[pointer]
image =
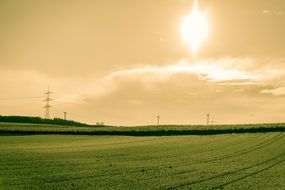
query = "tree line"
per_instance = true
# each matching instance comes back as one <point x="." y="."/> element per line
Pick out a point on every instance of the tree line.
<point x="39" y="120"/>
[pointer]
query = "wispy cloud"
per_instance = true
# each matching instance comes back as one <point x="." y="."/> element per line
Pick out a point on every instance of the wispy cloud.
<point x="273" y="12"/>
<point x="218" y="71"/>
<point x="275" y="92"/>
<point x="213" y="71"/>
<point x="225" y="71"/>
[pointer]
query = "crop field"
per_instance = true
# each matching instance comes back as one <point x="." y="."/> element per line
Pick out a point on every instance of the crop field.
<point x="163" y="130"/>
<point x="228" y="161"/>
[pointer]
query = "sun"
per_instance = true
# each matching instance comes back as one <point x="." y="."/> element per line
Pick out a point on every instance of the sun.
<point x="195" y="28"/>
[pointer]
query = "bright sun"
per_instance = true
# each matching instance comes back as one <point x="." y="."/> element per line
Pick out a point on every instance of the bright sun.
<point x="195" y="28"/>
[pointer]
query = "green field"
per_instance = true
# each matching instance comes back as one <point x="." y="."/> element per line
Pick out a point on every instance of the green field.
<point x="164" y="130"/>
<point x="229" y="161"/>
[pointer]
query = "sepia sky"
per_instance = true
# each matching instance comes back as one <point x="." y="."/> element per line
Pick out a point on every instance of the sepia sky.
<point x="124" y="62"/>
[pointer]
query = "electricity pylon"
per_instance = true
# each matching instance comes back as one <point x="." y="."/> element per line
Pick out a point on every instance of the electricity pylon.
<point x="47" y="106"/>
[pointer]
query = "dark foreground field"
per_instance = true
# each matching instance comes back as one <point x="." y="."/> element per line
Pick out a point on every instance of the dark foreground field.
<point x="229" y="161"/>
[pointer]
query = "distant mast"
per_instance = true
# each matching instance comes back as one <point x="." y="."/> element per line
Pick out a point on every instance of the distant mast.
<point x="158" y="117"/>
<point x="47" y="105"/>
<point x="208" y="119"/>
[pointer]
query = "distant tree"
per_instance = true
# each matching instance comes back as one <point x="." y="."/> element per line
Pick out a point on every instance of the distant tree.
<point x="100" y="124"/>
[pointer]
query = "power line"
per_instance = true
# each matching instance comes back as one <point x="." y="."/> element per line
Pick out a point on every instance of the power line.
<point x="21" y="98"/>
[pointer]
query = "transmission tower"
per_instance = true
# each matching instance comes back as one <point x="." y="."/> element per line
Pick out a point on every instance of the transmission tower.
<point x="47" y="100"/>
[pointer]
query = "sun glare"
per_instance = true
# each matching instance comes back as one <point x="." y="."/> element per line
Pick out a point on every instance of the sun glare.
<point x="195" y="28"/>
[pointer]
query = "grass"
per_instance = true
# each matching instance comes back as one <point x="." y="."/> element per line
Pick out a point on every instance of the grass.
<point x="229" y="161"/>
<point x="166" y="130"/>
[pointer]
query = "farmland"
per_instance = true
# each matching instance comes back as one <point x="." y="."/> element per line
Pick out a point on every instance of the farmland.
<point x="164" y="130"/>
<point x="228" y="161"/>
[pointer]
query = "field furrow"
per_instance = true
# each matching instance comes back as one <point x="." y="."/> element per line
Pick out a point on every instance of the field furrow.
<point x="113" y="162"/>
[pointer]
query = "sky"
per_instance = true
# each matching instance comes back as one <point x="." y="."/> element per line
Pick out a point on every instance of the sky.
<point x="125" y="62"/>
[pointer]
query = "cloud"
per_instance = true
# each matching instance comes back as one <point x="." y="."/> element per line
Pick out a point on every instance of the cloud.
<point x="227" y="71"/>
<point x="221" y="70"/>
<point x="273" y="12"/>
<point x="275" y="92"/>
